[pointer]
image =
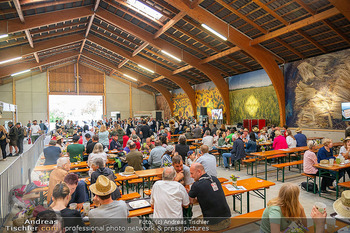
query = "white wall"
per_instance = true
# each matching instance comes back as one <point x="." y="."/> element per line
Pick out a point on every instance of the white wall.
<point x="335" y="135"/>
<point x="31" y="98"/>
<point x="117" y="96"/>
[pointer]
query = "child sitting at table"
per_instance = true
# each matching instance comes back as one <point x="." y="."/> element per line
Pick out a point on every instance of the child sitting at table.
<point x="191" y="156"/>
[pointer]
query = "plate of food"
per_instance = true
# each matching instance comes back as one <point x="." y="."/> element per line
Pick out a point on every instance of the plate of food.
<point x="324" y="163"/>
<point x="139" y="204"/>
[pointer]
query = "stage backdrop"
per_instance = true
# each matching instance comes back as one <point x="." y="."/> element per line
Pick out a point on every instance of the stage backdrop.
<point x="315" y="89"/>
<point x="252" y="96"/>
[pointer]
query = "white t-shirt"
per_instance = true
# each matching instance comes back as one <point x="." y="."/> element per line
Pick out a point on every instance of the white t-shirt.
<point x="342" y="151"/>
<point x="35" y="129"/>
<point x="209" y="141"/>
<point x="168" y="197"/>
<point x="292" y="143"/>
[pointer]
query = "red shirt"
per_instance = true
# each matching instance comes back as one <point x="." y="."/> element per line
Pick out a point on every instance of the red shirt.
<point x="138" y="145"/>
<point x="80" y="141"/>
<point x="125" y="140"/>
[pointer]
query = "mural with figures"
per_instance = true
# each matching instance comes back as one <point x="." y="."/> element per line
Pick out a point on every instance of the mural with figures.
<point x="182" y="106"/>
<point x="315" y="89"/>
<point x="252" y="96"/>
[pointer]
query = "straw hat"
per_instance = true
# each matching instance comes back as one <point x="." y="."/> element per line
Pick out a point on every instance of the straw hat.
<point x="298" y="130"/>
<point x="245" y="130"/>
<point x="59" y="137"/>
<point x="188" y="130"/>
<point x="169" y="148"/>
<point x="342" y="205"/>
<point x="346" y="139"/>
<point x="255" y="130"/>
<point x="103" y="186"/>
<point x="129" y="170"/>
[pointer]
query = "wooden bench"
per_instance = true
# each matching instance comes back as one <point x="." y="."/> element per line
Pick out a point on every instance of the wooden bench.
<point x="345" y="185"/>
<point x="240" y="220"/>
<point x="250" y="162"/>
<point x="281" y="167"/>
<point x="308" y="178"/>
<point x="80" y="170"/>
<point x="129" y="196"/>
<point x="147" y="192"/>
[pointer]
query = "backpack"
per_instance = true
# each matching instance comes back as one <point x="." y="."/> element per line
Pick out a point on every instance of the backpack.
<point x="310" y="187"/>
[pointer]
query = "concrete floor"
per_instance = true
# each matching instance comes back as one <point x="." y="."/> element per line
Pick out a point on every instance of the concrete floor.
<point x="5" y="164"/>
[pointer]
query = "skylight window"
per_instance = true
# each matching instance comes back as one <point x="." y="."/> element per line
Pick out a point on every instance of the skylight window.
<point x="144" y="9"/>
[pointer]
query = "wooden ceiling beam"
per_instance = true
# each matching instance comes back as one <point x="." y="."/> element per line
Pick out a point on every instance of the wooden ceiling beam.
<point x="89" y="25"/>
<point x="29" y="38"/>
<point x="163" y="90"/>
<point x="169" y="24"/>
<point x="342" y="6"/>
<point x="97" y="2"/>
<point x="181" y="82"/>
<point x="295" y="26"/>
<point x="24" y="50"/>
<point x="312" y="41"/>
<point x="40" y="20"/>
<point x="8" y="70"/>
<point x="37" y="57"/>
<point x="340" y="33"/>
<point x="19" y="10"/>
<point x="140" y="48"/>
<point x="265" y="58"/>
<point x="182" y="69"/>
<point x="213" y="73"/>
<point x="120" y="65"/>
<point x="159" y="78"/>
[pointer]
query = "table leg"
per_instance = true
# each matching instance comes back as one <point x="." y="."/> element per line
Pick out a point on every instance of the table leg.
<point x="264" y="197"/>
<point x="336" y="183"/>
<point x="265" y="167"/>
<point x="248" y="208"/>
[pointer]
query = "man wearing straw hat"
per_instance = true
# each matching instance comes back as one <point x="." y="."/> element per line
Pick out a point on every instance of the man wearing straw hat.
<point x="110" y="215"/>
<point x="300" y="138"/>
<point x="342" y="205"/>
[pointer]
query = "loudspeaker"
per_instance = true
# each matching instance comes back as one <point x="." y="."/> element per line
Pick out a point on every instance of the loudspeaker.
<point x="203" y="111"/>
<point x="158" y="116"/>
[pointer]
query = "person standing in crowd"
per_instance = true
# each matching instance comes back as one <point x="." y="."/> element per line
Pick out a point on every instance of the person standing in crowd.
<point x="13" y="138"/>
<point x="145" y="131"/>
<point x="300" y="138"/>
<point x="42" y="126"/>
<point x="168" y="198"/>
<point x="109" y="212"/>
<point x="20" y="138"/>
<point x="29" y="124"/>
<point x="103" y="136"/>
<point x="34" y="131"/>
<point x="90" y="145"/>
<point x="210" y="195"/>
<point x="3" y="142"/>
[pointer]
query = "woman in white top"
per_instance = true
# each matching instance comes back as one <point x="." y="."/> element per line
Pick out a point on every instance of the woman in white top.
<point x="103" y="136"/>
<point x="96" y="153"/>
<point x="292" y="143"/>
<point x="345" y="149"/>
<point x="263" y="136"/>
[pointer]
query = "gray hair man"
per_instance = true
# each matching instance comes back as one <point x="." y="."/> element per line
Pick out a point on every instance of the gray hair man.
<point x="168" y="199"/>
<point x="58" y="174"/>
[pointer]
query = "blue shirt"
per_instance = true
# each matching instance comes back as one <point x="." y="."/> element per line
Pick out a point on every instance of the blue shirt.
<point x="250" y="146"/>
<point x="80" y="194"/>
<point x="52" y="153"/>
<point x="324" y="154"/>
<point x="115" y="145"/>
<point x="301" y="139"/>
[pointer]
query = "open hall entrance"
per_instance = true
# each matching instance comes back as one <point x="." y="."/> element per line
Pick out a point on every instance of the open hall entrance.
<point x="78" y="108"/>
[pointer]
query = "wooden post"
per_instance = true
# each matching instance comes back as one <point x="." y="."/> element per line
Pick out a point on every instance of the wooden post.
<point x="14" y="98"/>
<point x="130" y="99"/>
<point x="104" y="96"/>
<point x="48" y="95"/>
<point x="77" y="78"/>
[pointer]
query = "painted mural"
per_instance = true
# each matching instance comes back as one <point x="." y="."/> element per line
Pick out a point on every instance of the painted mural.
<point x="252" y="96"/>
<point x="315" y="89"/>
<point x="207" y="95"/>
<point x="162" y="104"/>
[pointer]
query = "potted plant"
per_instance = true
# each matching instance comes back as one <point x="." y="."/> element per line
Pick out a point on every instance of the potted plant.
<point x="234" y="180"/>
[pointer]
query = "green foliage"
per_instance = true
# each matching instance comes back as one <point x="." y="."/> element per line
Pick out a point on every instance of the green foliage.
<point x="267" y="106"/>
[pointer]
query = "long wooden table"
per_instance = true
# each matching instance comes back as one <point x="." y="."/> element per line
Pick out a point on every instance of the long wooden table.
<point x="148" y="174"/>
<point x="336" y="169"/>
<point x="251" y="184"/>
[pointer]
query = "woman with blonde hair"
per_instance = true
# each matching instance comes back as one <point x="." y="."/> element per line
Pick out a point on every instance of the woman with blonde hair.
<point x="3" y="143"/>
<point x="282" y="210"/>
<point x="103" y="136"/>
<point x="292" y="143"/>
<point x="96" y="153"/>
<point x="279" y="142"/>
